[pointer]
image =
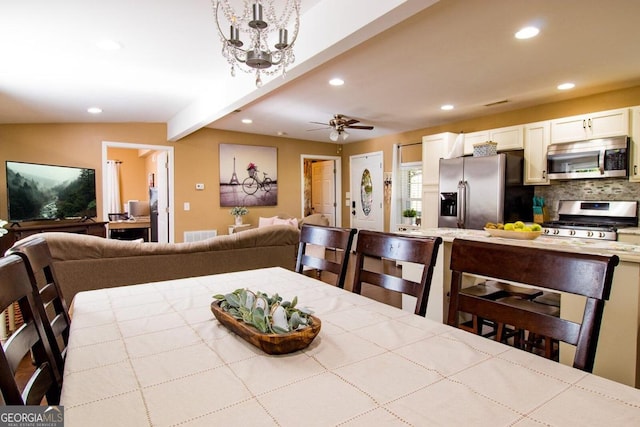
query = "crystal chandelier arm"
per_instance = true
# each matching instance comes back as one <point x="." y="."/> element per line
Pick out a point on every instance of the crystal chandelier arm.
<point x="257" y="19"/>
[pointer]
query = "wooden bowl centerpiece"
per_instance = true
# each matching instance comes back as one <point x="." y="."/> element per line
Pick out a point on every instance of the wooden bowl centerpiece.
<point x="267" y="322"/>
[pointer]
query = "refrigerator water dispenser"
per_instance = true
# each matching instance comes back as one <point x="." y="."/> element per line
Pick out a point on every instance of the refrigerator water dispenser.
<point x="448" y="204"/>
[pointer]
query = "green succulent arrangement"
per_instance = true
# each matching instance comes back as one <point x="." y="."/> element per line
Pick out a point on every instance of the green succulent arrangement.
<point x="268" y="314"/>
<point x="409" y="213"/>
<point x="239" y="210"/>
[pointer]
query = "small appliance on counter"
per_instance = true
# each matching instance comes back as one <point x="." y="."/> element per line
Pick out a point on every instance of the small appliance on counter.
<point x="592" y="219"/>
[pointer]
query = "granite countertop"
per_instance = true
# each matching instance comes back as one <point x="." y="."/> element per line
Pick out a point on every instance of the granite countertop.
<point x="625" y="251"/>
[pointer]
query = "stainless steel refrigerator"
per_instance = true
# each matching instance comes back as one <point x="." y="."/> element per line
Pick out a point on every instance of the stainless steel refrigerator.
<point x="477" y="190"/>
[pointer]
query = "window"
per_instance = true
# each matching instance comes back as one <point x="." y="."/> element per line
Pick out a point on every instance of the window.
<point x="411" y="187"/>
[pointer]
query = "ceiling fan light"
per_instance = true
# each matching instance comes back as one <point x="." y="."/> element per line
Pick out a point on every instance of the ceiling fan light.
<point x="345" y="135"/>
<point x="334" y="135"/>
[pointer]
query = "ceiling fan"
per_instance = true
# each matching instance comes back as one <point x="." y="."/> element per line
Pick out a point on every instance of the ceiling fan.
<point x="339" y="123"/>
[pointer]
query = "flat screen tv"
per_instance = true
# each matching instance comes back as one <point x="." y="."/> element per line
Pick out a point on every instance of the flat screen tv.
<point x="42" y="192"/>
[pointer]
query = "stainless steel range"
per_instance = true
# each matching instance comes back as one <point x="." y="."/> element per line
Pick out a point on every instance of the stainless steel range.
<point x="592" y="219"/>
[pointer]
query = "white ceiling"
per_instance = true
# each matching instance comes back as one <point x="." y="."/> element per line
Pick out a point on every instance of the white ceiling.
<point x="398" y="71"/>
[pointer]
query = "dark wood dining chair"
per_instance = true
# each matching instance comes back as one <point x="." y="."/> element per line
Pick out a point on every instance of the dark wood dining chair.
<point x="28" y="341"/>
<point x="419" y="250"/>
<point x="37" y="257"/>
<point x="338" y="239"/>
<point x="494" y="290"/>
<point x="588" y="275"/>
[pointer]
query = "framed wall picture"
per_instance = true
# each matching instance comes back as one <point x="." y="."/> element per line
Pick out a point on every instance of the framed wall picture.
<point x="248" y="175"/>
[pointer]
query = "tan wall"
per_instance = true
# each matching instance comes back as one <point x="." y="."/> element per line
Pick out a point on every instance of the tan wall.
<point x="69" y="145"/>
<point x="199" y="164"/>
<point x="196" y="161"/>
<point x="599" y="102"/>
<point x="196" y="156"/>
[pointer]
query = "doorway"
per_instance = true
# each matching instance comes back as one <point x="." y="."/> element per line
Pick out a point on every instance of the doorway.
<point x="320" y="192"/>
<point x="163" y="182"/>
<point x="367" y="191"/>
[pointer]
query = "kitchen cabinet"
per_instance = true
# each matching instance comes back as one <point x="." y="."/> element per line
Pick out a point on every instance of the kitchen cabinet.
<point x="508" y="138"/>
<point x="434" y="148"/>
<point x="536" y="139"/>
<point x="430" y="206"/>
<point x="632" y="238"/>
<point x="472" y="138"/>
<point x="618" y="354"/>
<point x="590" y="126"/>
<point x="634" y="160"/>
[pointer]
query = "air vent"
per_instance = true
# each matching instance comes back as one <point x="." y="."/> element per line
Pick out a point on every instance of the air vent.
<point x="491" y="104"/>
<point x="194" y="236"/>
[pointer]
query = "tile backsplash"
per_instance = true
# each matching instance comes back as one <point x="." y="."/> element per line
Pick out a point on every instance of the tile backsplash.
<point x="586" y="189"/>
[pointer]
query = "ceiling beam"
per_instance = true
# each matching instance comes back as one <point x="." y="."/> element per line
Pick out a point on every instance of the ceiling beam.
<point x="352" y="23"/>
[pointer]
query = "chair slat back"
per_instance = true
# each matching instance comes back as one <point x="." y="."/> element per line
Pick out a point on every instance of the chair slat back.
<point x="588" y="275"/>
<point x="340" y="239"/>
<point x="420" y="250"/>
<point x="29" y="340"/>
<point x="37" y="257"/>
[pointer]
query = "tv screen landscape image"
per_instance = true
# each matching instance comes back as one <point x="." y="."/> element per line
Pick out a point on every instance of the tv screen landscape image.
<point x="43" y="192"/>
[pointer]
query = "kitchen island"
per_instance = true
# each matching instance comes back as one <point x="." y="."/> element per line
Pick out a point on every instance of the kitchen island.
<point x="618" y="355"/>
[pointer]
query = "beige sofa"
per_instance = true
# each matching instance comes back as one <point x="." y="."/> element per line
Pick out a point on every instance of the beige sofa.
<point x="85" y="262"/>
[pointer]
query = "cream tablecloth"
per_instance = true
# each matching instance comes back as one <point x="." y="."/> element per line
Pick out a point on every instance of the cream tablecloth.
<point x="153" y="354"/>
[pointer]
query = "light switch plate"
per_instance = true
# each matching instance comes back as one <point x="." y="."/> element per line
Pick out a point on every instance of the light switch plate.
<point x="187" y="206"/>
<point x="199" y="186"/>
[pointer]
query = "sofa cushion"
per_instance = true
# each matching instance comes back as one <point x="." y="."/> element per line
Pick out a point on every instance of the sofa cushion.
<point x="315" y="219"/>
<point x="265" y="222"/>
<point x="289" y="221"/>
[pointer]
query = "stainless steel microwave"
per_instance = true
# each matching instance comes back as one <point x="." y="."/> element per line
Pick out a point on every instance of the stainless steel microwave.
<point x="595" y="158"/>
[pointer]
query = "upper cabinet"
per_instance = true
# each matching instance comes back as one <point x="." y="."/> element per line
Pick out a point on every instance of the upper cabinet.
<point x="589" y="126"/>
<point x="634" y="160"/>
<point x="508" y="138"/>
<point x="434" y="148"/>
<point x="536" y="139"/>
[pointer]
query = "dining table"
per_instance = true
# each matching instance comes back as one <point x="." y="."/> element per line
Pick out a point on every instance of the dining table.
<point x="153" y="354"/>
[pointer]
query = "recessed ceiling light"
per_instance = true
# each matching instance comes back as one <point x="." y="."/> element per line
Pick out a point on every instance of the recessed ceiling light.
<point x="94" y="110"/>
<point x="527" y="33"/>
<point x="566" y="86"/>
<point x="107" y="44"/>
<point x="247" y="121"/>
<point x="336" y="82"/>
<point x="447" y="107"/>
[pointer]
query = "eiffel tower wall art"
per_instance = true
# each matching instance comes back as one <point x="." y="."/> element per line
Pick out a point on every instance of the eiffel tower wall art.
<point x="248" y="175"/>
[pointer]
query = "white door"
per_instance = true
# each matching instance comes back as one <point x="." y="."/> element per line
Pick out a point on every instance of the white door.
<point x="367" y="191"/>
<point x="323" y="189"/>
<point x="162" y="175"/>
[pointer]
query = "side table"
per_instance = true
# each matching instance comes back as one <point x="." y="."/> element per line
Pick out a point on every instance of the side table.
<point x="238" y="228"/>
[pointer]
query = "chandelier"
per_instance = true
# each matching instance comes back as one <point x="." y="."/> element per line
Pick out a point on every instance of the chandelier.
<point x="263" y="24"/>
